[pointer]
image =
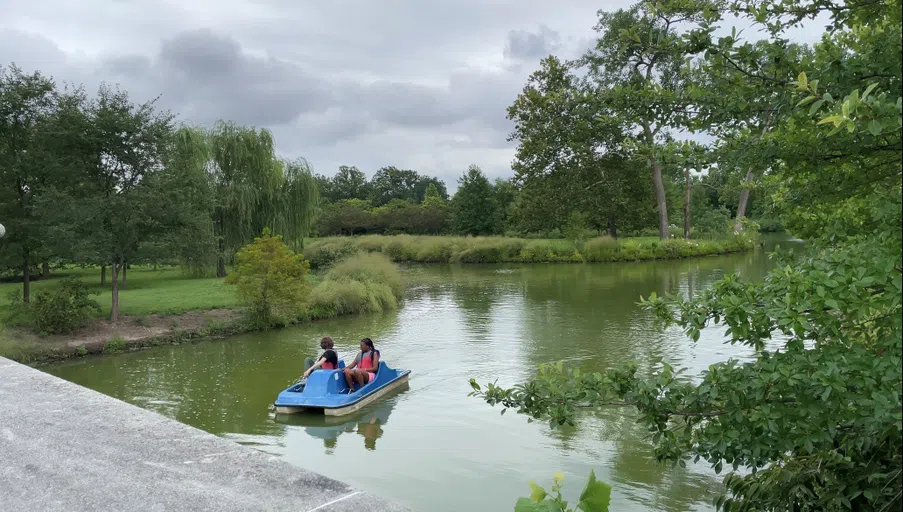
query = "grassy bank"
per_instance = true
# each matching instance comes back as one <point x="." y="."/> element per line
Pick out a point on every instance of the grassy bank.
<point x="164" y="306"/>
<point x="453" y="249"/>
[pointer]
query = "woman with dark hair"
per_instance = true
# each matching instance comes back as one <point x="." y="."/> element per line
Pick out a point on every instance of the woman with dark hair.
<point x="363" y="370"/>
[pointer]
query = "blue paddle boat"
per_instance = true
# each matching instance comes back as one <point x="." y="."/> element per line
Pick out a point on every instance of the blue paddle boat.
<point x="327" y="391"/>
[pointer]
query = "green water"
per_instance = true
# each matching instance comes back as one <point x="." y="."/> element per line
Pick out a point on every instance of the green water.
<point x="430" y="446"/>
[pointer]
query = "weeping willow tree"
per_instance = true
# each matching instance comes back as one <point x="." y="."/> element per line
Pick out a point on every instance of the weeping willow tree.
<point x="238" y="187"/>
<point x="246" y="177"/>
<point x="297" y="203"/>
<point x="187" y="171"/>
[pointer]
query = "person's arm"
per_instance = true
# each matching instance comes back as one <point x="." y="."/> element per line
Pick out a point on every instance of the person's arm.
<point x="314" y="366"/>
<point x="356" y="359"/>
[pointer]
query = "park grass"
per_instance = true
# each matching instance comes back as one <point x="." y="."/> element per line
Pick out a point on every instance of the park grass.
<point x="166" y="306"/>
<point x="164" y="291"/>
<point x="456" y="249"/>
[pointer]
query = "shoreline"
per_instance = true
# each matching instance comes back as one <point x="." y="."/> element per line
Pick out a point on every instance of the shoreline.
<point x="133" y="333"/>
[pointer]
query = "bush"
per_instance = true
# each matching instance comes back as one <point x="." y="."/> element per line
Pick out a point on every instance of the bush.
<point x="365" y="282"/>
<point x="323" y="254"/>
<point x="271" y="280"/>
<point x="712" y="223"/>
<point x="60" y="310"/>
<point x="603" y="248"/>
<point x="493" y="249"/>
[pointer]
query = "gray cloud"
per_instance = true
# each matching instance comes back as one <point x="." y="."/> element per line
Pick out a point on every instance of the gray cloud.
<point x="526" y="45"/>
<point x="420" y="85"/>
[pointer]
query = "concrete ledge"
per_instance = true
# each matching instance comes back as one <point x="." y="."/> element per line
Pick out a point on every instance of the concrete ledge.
<point x="64" y="447"/>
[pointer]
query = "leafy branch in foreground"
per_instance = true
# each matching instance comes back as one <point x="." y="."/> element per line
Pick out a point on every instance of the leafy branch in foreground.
<point x="595" y="497"/>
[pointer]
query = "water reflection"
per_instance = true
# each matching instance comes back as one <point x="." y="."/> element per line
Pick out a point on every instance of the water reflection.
<point x="369" y="424"/>
<point x="443" y="451"/>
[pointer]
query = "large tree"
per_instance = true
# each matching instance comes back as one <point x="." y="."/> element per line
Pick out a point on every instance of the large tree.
<point x="27" y="104"/>
<point x="636" y="75"/>
<point x="474" y="204"/>
<point x="246" y="176"/>
<point x="349" y="183"/>
<point x="569" y="157"/>
<point x="814" y="421"/>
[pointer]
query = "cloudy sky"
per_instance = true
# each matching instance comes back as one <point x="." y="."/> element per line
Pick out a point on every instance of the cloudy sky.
<point x="419" y="84"/>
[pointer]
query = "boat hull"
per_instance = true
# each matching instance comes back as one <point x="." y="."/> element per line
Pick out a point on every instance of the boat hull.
<point x="349" y="409"/>
<point x="327" y="392"/>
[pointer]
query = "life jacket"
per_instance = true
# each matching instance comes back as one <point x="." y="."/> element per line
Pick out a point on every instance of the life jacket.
<point x="366" y="362"/>
<point x="328" y="365"/>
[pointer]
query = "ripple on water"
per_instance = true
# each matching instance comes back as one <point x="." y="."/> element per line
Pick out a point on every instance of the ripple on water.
<point x="436" y="448"/>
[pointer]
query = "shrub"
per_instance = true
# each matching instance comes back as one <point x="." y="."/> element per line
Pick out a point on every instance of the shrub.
<point x="324" y="253"/>
<point x="712" y="223"/>
<point x="365" y="282"/>
<point x="60" y="310"/>
<point x="602" y="248"/>
<point x="271" y="280"/>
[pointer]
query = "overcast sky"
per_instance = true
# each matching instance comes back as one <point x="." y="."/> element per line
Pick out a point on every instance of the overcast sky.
<point x="419" y="84"/>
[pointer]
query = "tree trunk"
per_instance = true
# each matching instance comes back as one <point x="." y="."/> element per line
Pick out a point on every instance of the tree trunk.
<point x="687" y="203"/>
<point x="26" y="276"/>
<point x="114" y="309"/>
<point x="221" y="260"/>
<point x="612" y="227"/>
<point x="660" y="199"/>
<point x="741" y="206"/>
<point x="45" y="269"/>
<point x="103" y="275"/>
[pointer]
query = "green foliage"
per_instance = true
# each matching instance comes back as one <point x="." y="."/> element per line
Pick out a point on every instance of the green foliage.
<point x="814" y="420"/>
<point x="61" y="309"/>
<point x="64" y="308"/>
<point x="594" y="498"/>
<point x="114" y="345"/>
<point x="354" y="216"/>
<point x="271" y="279"/>
<point x="450" y="249"/>
<point x="365" y="282"/>
<point x="390" y="183"/>
<point x="474" y="208"/>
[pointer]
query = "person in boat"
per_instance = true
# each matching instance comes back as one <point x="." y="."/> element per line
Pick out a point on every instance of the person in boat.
<point x="329" y="360"/>
<point x="363" y="370"/>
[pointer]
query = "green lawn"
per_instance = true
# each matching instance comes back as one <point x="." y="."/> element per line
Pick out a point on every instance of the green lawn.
<point x="162" y="291"/>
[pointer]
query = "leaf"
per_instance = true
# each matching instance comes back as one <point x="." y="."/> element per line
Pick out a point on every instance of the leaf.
<point x="831" y="119"/>
<point x="537" y="493"/>
<point x="869" y="89"/>
<point x="802" y="82"/>
<point x="875" y="127"/>
<point x="596" y="496"/>
<point x="526" y="505"/>
<point x="806" y="101"/>
<point x="815" y="106"/>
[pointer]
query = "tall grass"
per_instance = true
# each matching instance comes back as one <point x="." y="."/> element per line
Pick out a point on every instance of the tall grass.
<point x="455" y="249"/>
<point x="364" y="282"/>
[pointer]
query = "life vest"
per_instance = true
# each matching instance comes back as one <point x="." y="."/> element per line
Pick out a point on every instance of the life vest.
<point x="366" y="361"/>
<point x="327" y="365"/>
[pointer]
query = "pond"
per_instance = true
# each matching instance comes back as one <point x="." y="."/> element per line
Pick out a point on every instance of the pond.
<point x="431" y="446"/>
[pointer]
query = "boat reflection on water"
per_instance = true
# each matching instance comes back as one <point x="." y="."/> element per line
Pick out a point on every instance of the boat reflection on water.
<point x="368" y="423"/>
